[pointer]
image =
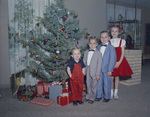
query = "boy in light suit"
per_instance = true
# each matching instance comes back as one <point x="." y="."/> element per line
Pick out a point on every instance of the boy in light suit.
<point x="92" y="59"/>
<point x="108" y="63"/>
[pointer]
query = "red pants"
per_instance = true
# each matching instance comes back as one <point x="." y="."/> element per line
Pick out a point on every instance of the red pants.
<point x="76" y="83"/>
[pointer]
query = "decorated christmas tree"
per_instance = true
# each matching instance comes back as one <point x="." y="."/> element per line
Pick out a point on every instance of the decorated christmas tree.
<point x="49" y="43"/>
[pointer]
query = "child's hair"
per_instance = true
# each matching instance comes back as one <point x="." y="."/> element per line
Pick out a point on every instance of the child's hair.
<point x="75" y="48"/>
<point x="93" y="38"/>
<point x="115" y="27"/>
<point x="104" y="32"/>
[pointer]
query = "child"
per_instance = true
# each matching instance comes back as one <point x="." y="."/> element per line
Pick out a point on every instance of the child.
<point x="76" y="72"/>
<point x="108" y="63"/>
<point x="92" y="59"/>
<point x="122" y="68"/>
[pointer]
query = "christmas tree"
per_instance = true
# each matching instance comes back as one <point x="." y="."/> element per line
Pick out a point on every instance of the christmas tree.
<point x="49" y="44"/>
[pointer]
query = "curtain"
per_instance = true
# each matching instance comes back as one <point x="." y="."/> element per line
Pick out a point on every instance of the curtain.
<point x="21" y="21"/>
<point x="127" y="14"/>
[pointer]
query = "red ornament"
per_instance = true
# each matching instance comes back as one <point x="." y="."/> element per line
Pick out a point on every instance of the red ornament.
<point x="66" y="37"/>
<point x="64" y="18"/>
<point x="63" y="29"/>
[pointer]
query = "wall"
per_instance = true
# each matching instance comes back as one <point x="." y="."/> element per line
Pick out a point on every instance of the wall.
<point x="91" y="13"/>
<point x="145" y="19"/>
<point x="4" y="51"/>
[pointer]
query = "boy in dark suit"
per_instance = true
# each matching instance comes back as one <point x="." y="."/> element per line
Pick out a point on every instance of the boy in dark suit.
<point x="92" y="59"/>
<point x="108" y="63"/>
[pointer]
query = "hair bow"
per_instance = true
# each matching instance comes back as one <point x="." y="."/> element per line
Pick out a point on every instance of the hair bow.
<point x="110" y="26"/>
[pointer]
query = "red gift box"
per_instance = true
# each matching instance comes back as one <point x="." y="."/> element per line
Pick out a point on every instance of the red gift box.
<point x="65" y="90"/>
<point x="42" y="88"/>
<point x="63" y="100"/>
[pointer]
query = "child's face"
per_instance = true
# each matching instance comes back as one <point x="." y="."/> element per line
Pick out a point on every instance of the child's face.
<point x="93" y="44"/>
<point x="76" y="55"/>
<point x="104" y="37"/>
<point x="114" y="32"/>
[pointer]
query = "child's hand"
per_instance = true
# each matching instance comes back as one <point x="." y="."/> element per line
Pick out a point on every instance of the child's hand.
<point x="109" y="73"/>
<point x="117" y="64"/>
<point x="97" y="77"/>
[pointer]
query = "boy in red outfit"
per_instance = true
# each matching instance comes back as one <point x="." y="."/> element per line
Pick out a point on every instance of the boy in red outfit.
<point x="76" y="72"/>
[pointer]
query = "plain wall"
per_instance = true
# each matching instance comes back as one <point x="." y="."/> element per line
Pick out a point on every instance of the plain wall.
<point x="145" y="20"/>
<point x="91" y="13"/>
<point x="4" y="49"/>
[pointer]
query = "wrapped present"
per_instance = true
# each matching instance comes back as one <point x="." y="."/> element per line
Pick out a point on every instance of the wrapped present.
<point x="55" y="83"/>
<point x="54" y="91"/>
<point x="65" y="88"/>
<point x="63" y="100"/>
<point x="84" y="88"/>
<point x="16" y="82"/>
<point x="25" y="95"/>
<point x="42" y="88"/>
<point x="42" y="101"/>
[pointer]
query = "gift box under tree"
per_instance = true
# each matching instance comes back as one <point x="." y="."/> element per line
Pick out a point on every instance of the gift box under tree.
<point x="64" y="99"/>
<point x="54" y="91"/>
<point x="42" y="89"/>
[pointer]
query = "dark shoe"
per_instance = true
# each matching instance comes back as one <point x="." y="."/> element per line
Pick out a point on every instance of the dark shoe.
<point x="98" y="99"/>
<point x="106" y="100"/>
<point x="75" y="103"/>
<point x="90" y="101"/>
<point x="80" y="102"/>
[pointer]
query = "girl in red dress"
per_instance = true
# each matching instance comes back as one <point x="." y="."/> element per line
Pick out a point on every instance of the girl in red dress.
<point x="122" y="67"/>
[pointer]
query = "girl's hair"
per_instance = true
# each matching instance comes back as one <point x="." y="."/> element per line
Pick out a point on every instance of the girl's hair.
<point x="93" y="38"/>
<point x="115" y="27"/>
<point x="75" y="48"/>
<point x="104" y="32"/>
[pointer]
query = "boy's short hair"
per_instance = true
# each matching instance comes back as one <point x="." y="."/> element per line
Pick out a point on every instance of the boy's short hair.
<point x="93" y="38"/>
<point x="75" y="48"/>
<point x="104" y="32"/>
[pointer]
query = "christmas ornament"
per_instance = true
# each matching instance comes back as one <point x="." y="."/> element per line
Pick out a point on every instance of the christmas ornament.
<point x="64" y="18"/>
<point x="36" y="55"/>
<point x="39" y="21"/>
<point x="45" y="41"/>
<point x="36" y="71"/>
<point x="32" y="39"/>
<point x="87" y="33"/>
<point x="24" y="45"/>
<point x="57" y="52"/>
<point x="75" y="16"/>
<point x="56" y="57"/>
<point x="54" y="72"/>
<point x="56" y="44"/>
<point x="63" y="29"/>
<point x="66" y="36"/>
<point x="32" y="53"/>
<point x="68" y="13"/>
<point x="76" y="30"/>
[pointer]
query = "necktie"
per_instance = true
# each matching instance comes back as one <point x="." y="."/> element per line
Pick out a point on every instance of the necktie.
<point x="104" y="45"/>
<point x="91" y="50"/>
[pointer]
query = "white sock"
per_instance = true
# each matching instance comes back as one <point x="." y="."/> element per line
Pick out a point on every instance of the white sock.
<point x="116" y="94"/>
<point x="116" y="91"/>
<point x="112" y="93"/>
